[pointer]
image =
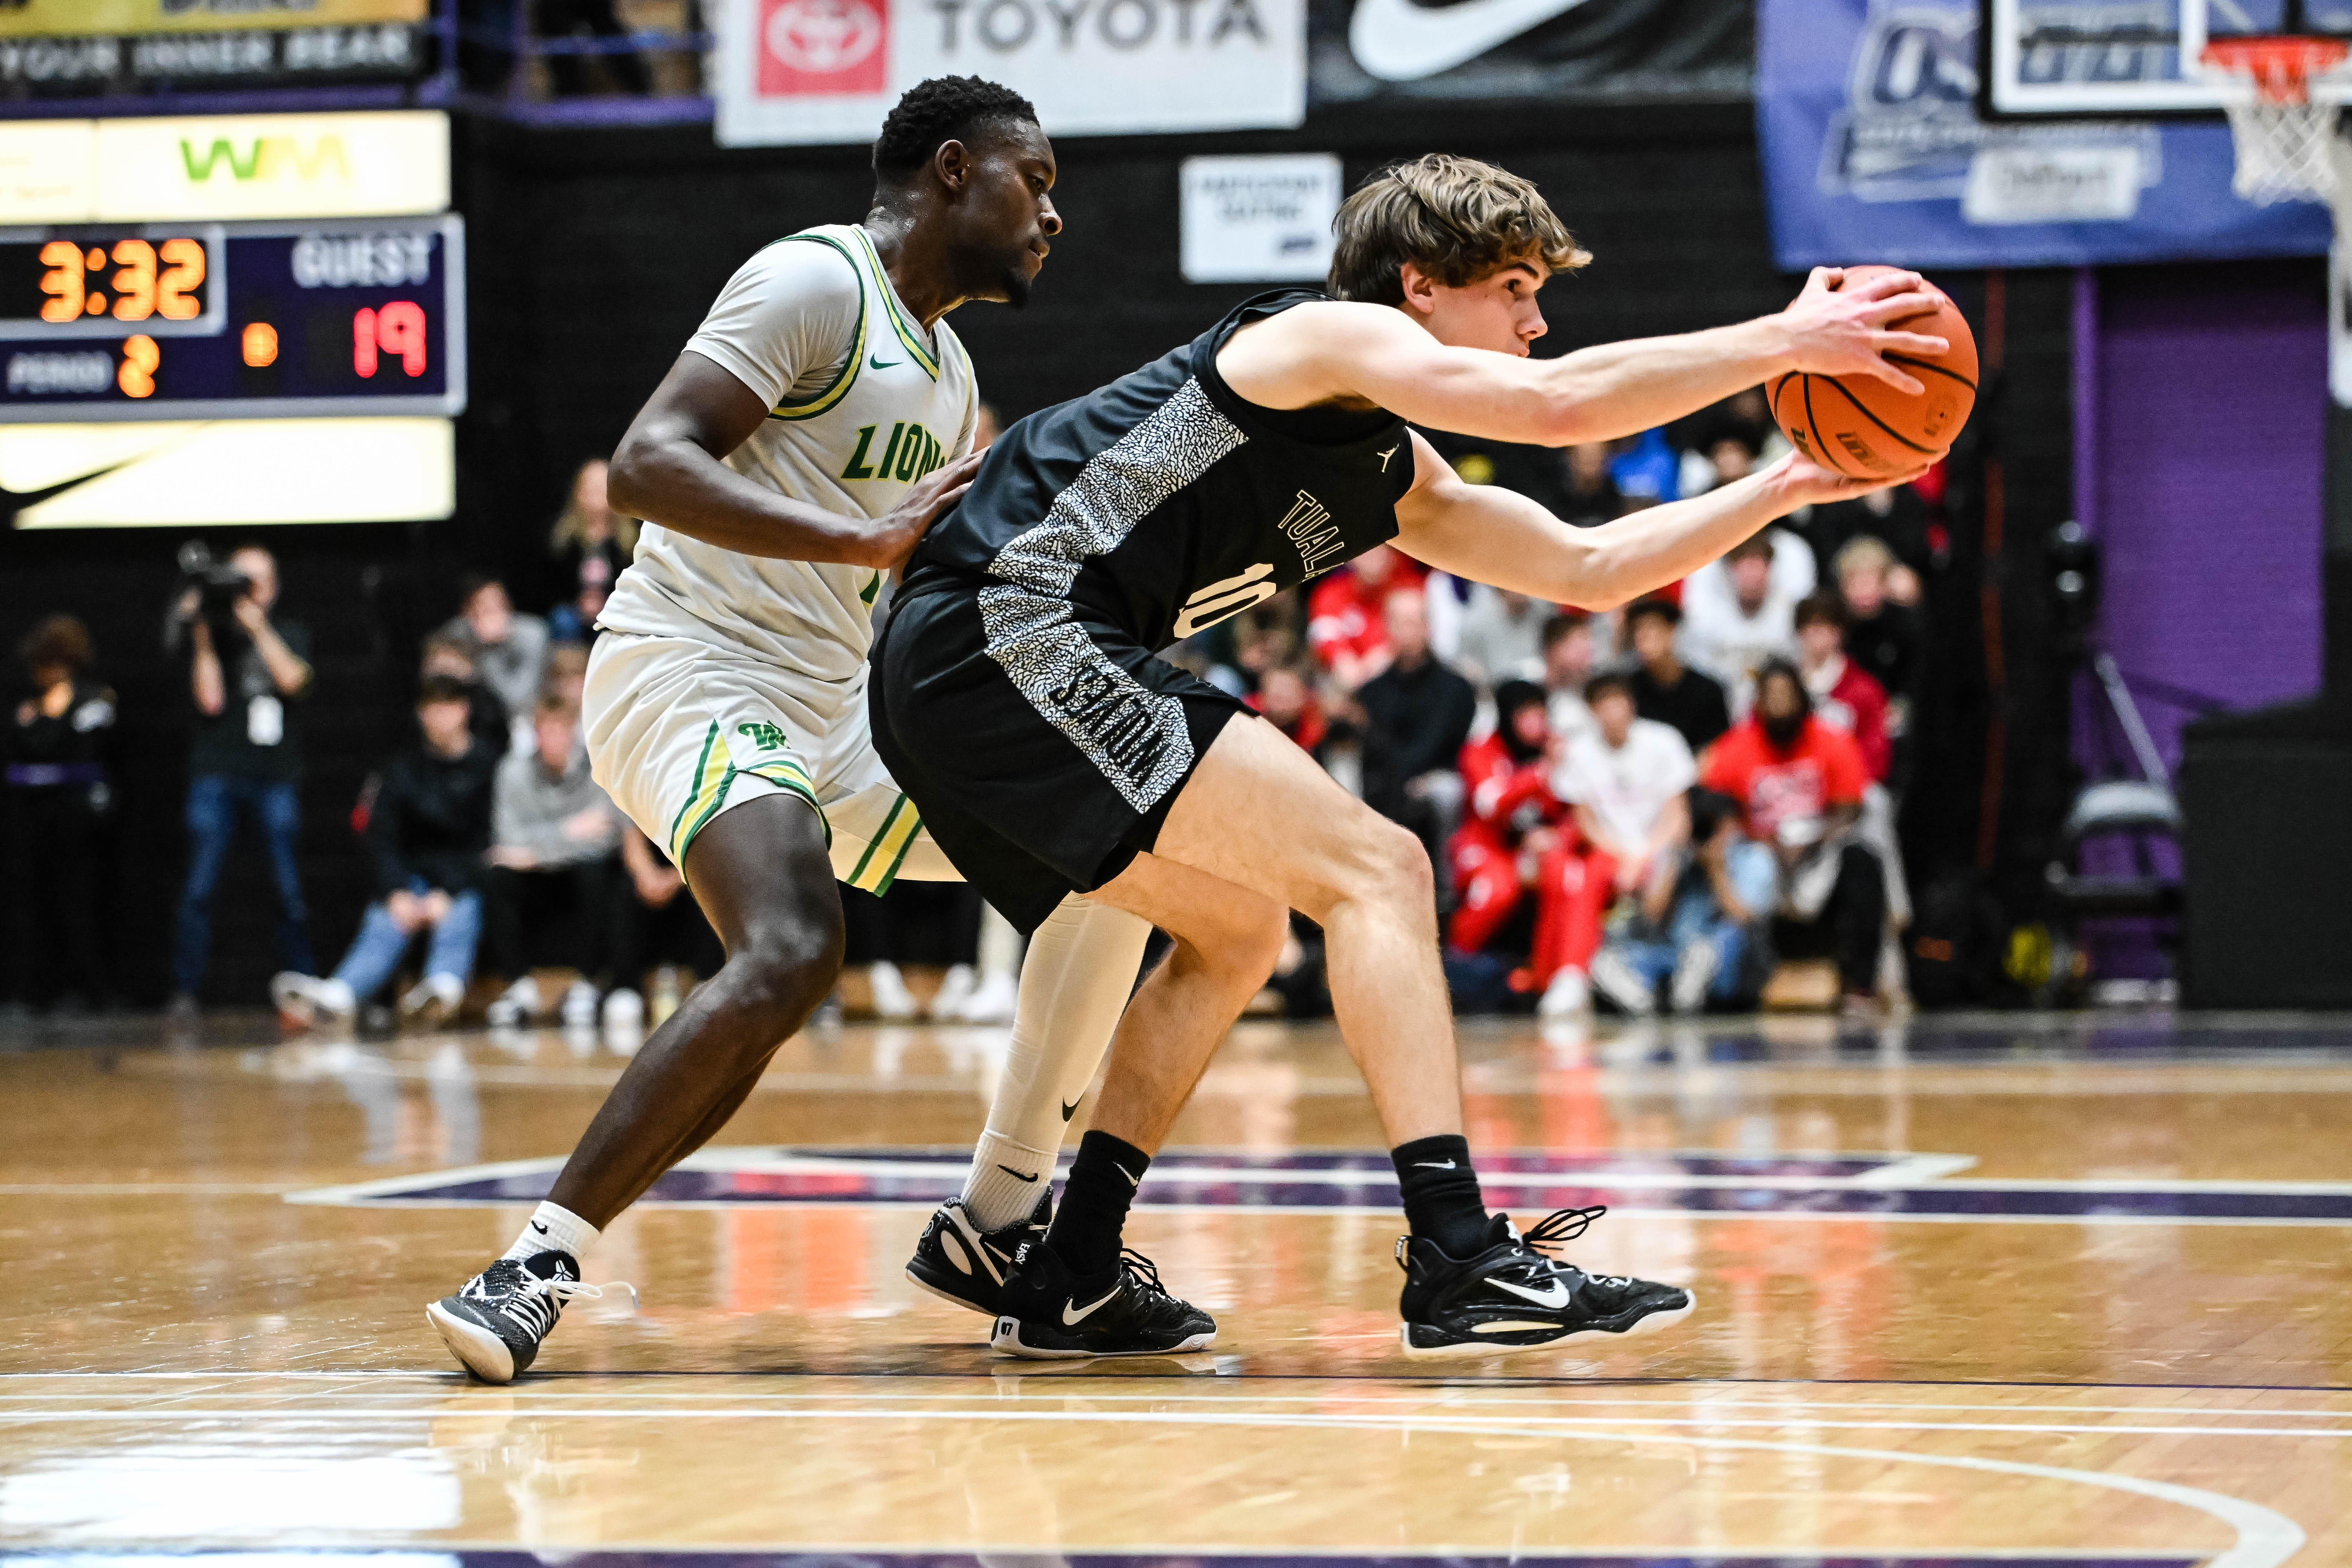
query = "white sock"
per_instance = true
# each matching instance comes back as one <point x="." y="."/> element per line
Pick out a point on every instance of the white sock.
<point x="1005" y="1181"/>
<point x="553" y="1228"/>
<point x="1080" y="969"/>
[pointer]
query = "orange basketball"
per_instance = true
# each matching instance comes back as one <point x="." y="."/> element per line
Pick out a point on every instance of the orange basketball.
<point x="1859" y="426"/>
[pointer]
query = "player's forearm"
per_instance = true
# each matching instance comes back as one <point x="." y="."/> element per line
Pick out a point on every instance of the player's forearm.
<point x="1614" y="390"/>
<point x="1641" y="554"/>
<point x="681" y="486"/>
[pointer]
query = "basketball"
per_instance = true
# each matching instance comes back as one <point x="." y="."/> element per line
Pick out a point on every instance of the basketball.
<point x="1859" y="425"/>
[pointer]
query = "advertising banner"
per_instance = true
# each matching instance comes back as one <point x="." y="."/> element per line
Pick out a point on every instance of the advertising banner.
<point x="63" y="18"/>
<point x="225" y="167"/>
<point x="827" y="70"/>
<point x="1563" y="51"/>
<point x="1874" y="150"/>
<point x="1255" y="219"/>
<point x="92" y="48"/>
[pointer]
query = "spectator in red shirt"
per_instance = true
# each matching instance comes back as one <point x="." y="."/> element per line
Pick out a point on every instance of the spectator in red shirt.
<point x="1516" y="841"/>
<point x="1846" y="696"/>
<point x="1799" y="783"/>
<point x="1287" y="700"/>
<point x="1343" y="614"/>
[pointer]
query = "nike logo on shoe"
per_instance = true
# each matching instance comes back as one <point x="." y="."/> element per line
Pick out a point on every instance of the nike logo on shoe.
<point x="1016" y="1175"/>
<point x="1073" y="1314"/>
<point x="1554" y="1294"/>
<point x="1397" y="40"/>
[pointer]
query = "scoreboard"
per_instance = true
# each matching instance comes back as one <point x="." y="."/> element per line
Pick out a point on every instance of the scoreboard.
<point x="239" y="320"/>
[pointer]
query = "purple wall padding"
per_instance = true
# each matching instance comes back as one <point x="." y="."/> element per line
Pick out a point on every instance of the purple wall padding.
<point x="2199" y="465"/>
<point x="2199" y="445"/>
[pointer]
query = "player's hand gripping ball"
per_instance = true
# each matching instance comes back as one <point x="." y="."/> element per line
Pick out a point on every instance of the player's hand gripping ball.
<point x="1858" y="425"/>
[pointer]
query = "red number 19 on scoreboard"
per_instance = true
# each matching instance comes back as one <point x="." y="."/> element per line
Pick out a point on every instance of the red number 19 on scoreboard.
<point x="397" y="329"/>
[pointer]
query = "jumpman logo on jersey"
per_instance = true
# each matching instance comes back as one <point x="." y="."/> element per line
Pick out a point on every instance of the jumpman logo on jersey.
<point x="1386" y="455"/>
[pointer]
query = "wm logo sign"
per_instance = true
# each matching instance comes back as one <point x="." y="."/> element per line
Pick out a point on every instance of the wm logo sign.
<point x="268" y="158"/>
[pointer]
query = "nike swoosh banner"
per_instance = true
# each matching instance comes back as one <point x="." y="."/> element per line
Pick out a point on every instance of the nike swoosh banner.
<point x="1874" y="150"/>
<point x="1559" y="50"/>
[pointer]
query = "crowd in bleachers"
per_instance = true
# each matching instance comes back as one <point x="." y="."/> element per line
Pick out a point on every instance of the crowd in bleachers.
<point x="1644" y="809"/>
<point x="1649" y="809"/>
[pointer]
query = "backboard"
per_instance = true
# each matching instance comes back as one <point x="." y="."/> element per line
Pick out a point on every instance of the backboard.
<point x="2129" y="58"/>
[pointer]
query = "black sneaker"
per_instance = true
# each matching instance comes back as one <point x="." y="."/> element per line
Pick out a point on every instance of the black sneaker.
<point x="1512" y="1297"/>
<point x="958" y="1261"/>
<point x="495" y="1325"/>
<point x="1052" y="1315"/>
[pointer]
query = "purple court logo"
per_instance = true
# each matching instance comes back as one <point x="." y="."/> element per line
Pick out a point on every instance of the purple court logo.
<point x="1884" y="1186"/>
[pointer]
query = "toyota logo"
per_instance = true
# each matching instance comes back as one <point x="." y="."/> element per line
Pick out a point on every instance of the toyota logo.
<point x="823" y="37"/>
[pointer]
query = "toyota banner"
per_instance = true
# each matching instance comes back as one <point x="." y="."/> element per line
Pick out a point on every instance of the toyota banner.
<point x="827" y="70"/>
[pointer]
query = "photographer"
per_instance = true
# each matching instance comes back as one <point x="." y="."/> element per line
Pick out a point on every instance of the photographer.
<point x="247" y="672"/>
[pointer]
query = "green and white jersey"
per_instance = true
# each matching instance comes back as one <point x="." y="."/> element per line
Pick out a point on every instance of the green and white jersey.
<point x="862" y="402"/>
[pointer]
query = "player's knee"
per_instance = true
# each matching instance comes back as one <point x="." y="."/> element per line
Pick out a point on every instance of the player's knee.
<point x="784" y="969"/>
<point x="1393" y="866"/>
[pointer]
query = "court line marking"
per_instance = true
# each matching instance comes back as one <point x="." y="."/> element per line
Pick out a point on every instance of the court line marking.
<point x="2265" y="1538"/>
<point x="1500" y="1384"/>
<point x="118" y="1189"/>
<point x="1570" y="1425"/>
<point x="341" y="1548"/>
<point x="1436" y="1404"/>
<point x="926" y="1206"/>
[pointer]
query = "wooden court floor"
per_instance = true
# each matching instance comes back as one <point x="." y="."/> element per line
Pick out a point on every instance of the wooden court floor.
<point x="1969" y="1290"/>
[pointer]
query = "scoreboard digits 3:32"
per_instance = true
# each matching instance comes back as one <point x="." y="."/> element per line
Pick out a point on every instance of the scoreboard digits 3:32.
<point x="232" y="320"/>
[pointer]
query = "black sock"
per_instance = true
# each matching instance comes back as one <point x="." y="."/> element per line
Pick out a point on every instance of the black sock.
<point x="1103" y="1182"/>
<point x="1442" y="1202"/>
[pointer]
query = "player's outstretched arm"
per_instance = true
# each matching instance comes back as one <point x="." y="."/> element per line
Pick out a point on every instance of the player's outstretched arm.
<point x="669" y="469"/>
<point x="1489" y="534"/>
<point x="1332" y="350"/>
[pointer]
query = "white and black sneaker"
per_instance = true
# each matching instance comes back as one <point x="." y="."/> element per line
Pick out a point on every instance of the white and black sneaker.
<point x="1051" y="1314"/>
<point x="496" y="1324"/>
<point x="1513" y="1296"/>
<point x="958" y="1261"/>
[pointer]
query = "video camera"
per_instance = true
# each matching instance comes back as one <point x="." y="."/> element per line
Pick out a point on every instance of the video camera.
<point x="217" y="585"/>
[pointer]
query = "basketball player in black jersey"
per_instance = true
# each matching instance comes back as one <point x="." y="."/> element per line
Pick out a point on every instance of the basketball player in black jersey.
<point x="1019" y="701"/>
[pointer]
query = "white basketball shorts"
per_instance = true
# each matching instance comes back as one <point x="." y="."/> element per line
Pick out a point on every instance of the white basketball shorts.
<point x="680" y="730"/>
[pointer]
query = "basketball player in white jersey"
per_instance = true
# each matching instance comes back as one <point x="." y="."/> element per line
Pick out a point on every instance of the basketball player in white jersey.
<point x="819" y="419"/>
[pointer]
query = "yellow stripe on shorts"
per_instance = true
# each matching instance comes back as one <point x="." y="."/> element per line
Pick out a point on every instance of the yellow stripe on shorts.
<point x="878" y="867"/>
<point x="714" y="775"/>
<point x="710" y="770"/>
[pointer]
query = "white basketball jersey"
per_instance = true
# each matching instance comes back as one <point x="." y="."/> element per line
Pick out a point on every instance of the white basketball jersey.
<point x="862" y="404"/>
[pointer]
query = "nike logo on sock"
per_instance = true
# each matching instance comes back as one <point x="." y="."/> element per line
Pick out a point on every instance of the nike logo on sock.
<point x="1072" y="1109"/>
<point x="1132" y="1179"/>
<point x="1016" y="1175"/>
<point x="538" y="1227"/>
<point x="1074" y="1314"/>
<point x="1433" y="1165"/>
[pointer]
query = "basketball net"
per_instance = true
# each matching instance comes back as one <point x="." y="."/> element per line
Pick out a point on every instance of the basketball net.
<point x="2287" y="146"/>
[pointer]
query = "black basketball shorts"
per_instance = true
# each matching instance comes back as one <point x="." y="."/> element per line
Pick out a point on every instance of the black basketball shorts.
<point x="1043" y="747"/>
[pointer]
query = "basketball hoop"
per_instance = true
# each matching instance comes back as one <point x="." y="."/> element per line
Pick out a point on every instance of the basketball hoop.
<point x="2286" y="143"/>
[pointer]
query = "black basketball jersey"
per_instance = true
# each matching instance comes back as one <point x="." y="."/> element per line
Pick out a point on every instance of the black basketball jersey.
<point x="1164" y="502"/>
